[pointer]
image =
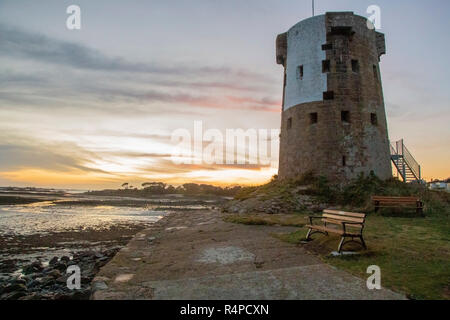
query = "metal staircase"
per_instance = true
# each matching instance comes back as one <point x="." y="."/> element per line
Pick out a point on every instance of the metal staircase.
<point x="407" y="167"/>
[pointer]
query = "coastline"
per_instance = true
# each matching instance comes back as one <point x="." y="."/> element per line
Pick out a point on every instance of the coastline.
<point x="42" y="235"/>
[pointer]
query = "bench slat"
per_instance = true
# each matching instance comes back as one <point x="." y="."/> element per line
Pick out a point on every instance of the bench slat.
<point x="359" y="226"/>
<point x="382" y="198"/>
<point x="342" y="218"/>
<point x="397" y="201"/>
<point x="344" y="213"/>
<point x="331" y="230"/>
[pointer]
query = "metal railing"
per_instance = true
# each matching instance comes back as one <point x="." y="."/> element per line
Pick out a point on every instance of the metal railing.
<point x="400" y="150"/>
<point x="412" y="163"/>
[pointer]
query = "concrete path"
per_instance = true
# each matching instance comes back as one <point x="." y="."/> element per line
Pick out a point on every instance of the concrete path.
<point x="196" y="255"/>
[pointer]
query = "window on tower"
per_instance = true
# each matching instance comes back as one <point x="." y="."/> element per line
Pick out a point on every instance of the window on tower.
<point x="313" y="118"/>
<point x="327" y="46"/>
<point x="355" y="66"/>
<point x="374" y="119"/>
<point x="325" y="66"/>
<point x="375" y="72"/>
<point x="345" y="116"/>
<point x="300" y="72"/>
<point x="289" y="123"/>
<point x="344" y="161"/>
<point x="328" y="95"/>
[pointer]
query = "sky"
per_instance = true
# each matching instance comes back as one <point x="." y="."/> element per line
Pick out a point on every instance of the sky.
<point x="96" y="107"/>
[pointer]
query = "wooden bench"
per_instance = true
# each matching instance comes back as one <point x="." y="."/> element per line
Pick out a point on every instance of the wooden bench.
<point x="395" y="202"/>
<point x="346" y="224"/>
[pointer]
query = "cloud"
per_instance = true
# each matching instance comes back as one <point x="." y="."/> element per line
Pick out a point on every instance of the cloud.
<point x="23" y="44"/>
<point x="91" y="79"/>
<point x="13" y="157"/>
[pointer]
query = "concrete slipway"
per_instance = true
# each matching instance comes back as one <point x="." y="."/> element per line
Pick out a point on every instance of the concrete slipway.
<point x="196" y="255"/>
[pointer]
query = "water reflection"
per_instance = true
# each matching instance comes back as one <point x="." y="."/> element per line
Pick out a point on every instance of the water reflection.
<point x="46" y="217"/>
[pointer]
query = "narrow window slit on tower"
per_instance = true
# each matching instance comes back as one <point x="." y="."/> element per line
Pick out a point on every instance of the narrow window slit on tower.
<point x="325" y="66"/>
<point x="313" y="117"/>
<point x="327" y="46"/>
<point x="328" y="95"/>
<point x="344" y="161"/>
<point x="374" y="119"/>
<point x="355" y="66"/>
<point x="289" y="123"/>
<point x="345" y="116"/>
<point x="375" y="72"/>
<point x="300" y="72"/>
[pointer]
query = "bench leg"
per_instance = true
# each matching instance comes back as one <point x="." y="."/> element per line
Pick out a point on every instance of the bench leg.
<point x="341" y="244"/>
<point x="311" y="232"/>
<point x="308" y="234"/>
<point x="419" y="210"/>
<point x="363" y="242"/>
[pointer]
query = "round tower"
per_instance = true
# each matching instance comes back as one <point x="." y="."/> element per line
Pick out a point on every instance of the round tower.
<point x="333" y="119"/>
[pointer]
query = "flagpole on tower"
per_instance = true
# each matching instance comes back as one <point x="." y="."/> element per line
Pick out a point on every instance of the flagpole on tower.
<point x="313" y="8"/>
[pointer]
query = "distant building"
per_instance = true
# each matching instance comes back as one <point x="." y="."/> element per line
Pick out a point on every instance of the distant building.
<point x="333" y="114"/>
<point x="440" y="185"/>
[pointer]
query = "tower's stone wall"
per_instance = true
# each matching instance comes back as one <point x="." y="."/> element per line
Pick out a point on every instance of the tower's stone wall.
<point x="333" y="120"/>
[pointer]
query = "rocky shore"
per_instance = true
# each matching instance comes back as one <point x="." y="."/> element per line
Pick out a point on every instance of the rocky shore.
<point x="42" y="281"/>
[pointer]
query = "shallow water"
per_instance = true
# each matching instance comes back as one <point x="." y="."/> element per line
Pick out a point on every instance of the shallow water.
<point x="46" y="217"/>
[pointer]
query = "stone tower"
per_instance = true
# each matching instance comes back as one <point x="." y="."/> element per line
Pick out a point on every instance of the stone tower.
<point x="333" y="119"/>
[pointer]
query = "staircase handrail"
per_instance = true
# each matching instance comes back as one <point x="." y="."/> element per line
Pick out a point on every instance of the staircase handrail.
<point x="412" y="163"/>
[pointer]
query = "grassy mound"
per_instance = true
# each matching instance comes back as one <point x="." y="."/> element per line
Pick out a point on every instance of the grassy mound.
<point x="355" y="195"/>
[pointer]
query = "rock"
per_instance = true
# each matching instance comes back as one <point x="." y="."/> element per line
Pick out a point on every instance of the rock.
<point x="61" y="266"/>
<point x="32" y="268"/>
<point x="98" y="255"/>
<point x="65" y="259"/>
<point x="80" y="295"/>
<point x="20" y="281"/>
<point x="33" y="296"/>
<point x="53" y="261"/>
<point x="46" y="281"/>
<point x="63" y="296"/>
<point x="14" y="287"/>
<point x="99" y="285"/>
<point x="62" y="280"/>
<point x="15" y="295"/>
<point x="55" y="273"/>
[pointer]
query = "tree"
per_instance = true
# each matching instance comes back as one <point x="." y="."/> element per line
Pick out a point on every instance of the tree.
<point x="154" y="187"/>
<point x="125" y="185"/>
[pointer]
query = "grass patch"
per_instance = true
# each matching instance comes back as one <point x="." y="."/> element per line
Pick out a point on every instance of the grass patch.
<point x="293" y="237"/>
<point x="413" y="253"/>
<point x="291" y="220"/>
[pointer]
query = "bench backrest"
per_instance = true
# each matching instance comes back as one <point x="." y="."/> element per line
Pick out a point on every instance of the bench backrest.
<point x="395" y="199"/>
<point x="335" y="216"/>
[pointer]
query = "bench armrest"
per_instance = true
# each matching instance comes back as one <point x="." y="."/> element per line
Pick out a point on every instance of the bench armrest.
<point x="345" y="222"/>
<point x="311" y="218"/>
<point x="355" y="223"/>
